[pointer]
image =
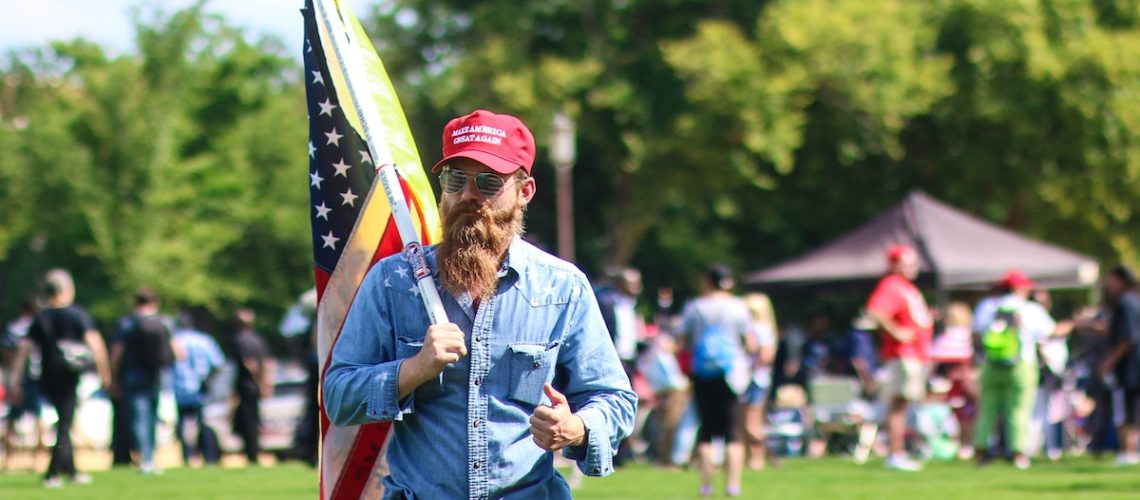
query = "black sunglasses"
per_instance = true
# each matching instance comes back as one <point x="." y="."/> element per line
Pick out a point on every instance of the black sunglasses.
<point x="487" y="183"/>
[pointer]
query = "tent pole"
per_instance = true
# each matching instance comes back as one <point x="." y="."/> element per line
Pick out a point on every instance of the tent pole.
<point x="941" y="295"/>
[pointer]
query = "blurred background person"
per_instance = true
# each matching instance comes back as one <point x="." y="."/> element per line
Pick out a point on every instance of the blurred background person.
<point x="299" y="327"/>
<point x="906" y="328"/>
<point x="140" y="356"/>
<point x="69" y="345"/>
<point x="1120" y="368"/>
<point x="1098" y="422"/>
<point x="618" y="303"/>
<point x="815" y="362"/>
<point x="22" y="365"/>
<point x="953" y="355"/>
<point x="1052" y="406"/>
<point x="854" y="356"/>
<point x="200" y="361"/>
<point x="756" y="398"/>
<point x="1009" y="376"/>
<point x="658" y="364"/>
<point x="256" y="368"/>
<point x="718" y="327"/>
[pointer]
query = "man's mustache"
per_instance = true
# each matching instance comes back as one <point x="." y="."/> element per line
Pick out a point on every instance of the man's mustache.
<point x="471" y="208"/>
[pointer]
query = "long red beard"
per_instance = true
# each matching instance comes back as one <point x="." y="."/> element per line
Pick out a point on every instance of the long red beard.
<point x="474" y="239"/>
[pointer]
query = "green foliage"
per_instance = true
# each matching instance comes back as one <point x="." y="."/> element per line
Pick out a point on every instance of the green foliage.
<point x="175" y="168"/>
<point x="724" y="130"/>
<point x="746" y="132"/>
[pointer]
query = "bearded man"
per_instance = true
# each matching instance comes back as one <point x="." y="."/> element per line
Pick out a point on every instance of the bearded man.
<point x="526" y="366"/>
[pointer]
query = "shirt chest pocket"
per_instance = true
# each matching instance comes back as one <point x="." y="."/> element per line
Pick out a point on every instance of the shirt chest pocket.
<point x="408" y="347"/>
<point x="532" y="365"/>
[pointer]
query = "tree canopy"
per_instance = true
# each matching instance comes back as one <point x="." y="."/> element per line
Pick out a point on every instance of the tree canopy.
<point x="177" y="167"/>
<point x="723" y="130"/>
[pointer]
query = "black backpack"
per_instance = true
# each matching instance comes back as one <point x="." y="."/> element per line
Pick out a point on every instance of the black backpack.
<point x="153" y="340"/>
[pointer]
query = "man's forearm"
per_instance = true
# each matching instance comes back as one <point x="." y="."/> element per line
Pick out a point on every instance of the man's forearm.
<point x="412" y="374"/>
<point x="888" y="325"/>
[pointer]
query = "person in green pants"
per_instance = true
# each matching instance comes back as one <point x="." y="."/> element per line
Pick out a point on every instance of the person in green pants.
<point x="1009" y="374"/>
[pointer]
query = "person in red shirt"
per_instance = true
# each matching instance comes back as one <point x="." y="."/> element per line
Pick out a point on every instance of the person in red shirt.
<point x="905" y="327"/>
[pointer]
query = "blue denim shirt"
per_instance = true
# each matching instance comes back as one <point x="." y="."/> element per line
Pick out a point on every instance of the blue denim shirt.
<point x="469" y="434"/>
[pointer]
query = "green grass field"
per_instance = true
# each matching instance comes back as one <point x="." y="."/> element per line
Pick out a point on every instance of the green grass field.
<point x="834" y="478"/>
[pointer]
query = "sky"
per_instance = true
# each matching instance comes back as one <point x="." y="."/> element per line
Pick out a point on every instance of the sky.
<point x="30" y="23"/>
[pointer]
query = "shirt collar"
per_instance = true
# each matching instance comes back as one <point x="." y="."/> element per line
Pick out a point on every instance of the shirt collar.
<point x="517" y="257"/>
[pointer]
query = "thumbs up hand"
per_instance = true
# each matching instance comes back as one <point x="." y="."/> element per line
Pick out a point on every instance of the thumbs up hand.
<point x="554" y="427"/>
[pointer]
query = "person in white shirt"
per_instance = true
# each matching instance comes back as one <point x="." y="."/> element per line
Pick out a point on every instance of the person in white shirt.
<point x="1009" y="378"/>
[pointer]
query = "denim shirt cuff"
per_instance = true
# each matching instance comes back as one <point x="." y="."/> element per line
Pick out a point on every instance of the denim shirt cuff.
<point x="596" y="457"/>
<point x="384" y="401"/>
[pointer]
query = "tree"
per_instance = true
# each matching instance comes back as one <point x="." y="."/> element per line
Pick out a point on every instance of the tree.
<point x="179" y="167"/>
<point x="749" y="131"/>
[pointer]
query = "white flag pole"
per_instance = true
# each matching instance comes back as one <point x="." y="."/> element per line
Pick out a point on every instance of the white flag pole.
<point x="373" y="126"/>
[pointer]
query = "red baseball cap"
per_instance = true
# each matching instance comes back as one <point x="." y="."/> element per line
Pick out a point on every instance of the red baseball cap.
<point x="896" y="252"/>
<point x="501" y="142"/>
<point x="1017" y="280"/>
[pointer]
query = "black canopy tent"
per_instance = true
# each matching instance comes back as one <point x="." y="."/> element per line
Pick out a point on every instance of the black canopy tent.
<point x="957" y="251"/>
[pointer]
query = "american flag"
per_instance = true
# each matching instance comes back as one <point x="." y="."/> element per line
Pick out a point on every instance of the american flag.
<point x="351" y="222"/>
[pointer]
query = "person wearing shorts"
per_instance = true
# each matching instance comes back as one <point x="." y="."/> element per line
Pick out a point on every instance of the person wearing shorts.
<point x="756" y="397"/>
<point x="905" y="327"/>
<point x="717" y="394"/>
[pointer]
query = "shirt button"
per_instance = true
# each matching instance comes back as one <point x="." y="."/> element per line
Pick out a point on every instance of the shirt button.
<point x="478" y="338"/>
<point x="475" y="465"/>
<point x="475" y="424"/>
<point x="536" y="364"/>
<point x="478" y="380"/>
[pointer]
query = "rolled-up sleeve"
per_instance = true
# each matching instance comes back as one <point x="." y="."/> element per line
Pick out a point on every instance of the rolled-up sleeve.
<point x="362" y="382"/>
<point x="595" y="385"/>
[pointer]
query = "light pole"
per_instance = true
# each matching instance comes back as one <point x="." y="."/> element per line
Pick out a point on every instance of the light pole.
<point x="562" y="155"/>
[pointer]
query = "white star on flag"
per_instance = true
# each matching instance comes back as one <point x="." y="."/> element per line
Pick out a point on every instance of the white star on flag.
<point x="341" y="168"/>
<point x="349" y="198"/>
<point x="323" y="211"/>
<point x="387" y="282"/>
<point x="315" y="179"/>
<point x="317" y="78"/>
<point x="334" y="137"/>
<point x="402" y="271"/>
<point x="311" y="149"/>
<point x="326" y="107"/>
<point x="415" y="290"/>
<point x="330" y="240"/>
<point x="548" y="291"/>
<point x="365" y="157"/>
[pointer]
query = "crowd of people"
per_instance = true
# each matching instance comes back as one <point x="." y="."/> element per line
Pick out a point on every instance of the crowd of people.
<point x="723" y="383"/>
<point x="524" y="367"/>
<point x="54" y="342"/>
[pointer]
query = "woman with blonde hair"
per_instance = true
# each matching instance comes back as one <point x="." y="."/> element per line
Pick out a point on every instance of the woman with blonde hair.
<point x="756" y="398"/>
<point x="953" y="355"/>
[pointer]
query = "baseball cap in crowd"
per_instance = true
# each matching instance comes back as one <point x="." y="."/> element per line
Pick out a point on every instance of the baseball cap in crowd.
<point x="501" y="142"/>
<point x="896" y="252"/>
<point x="1017" y="280"/>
